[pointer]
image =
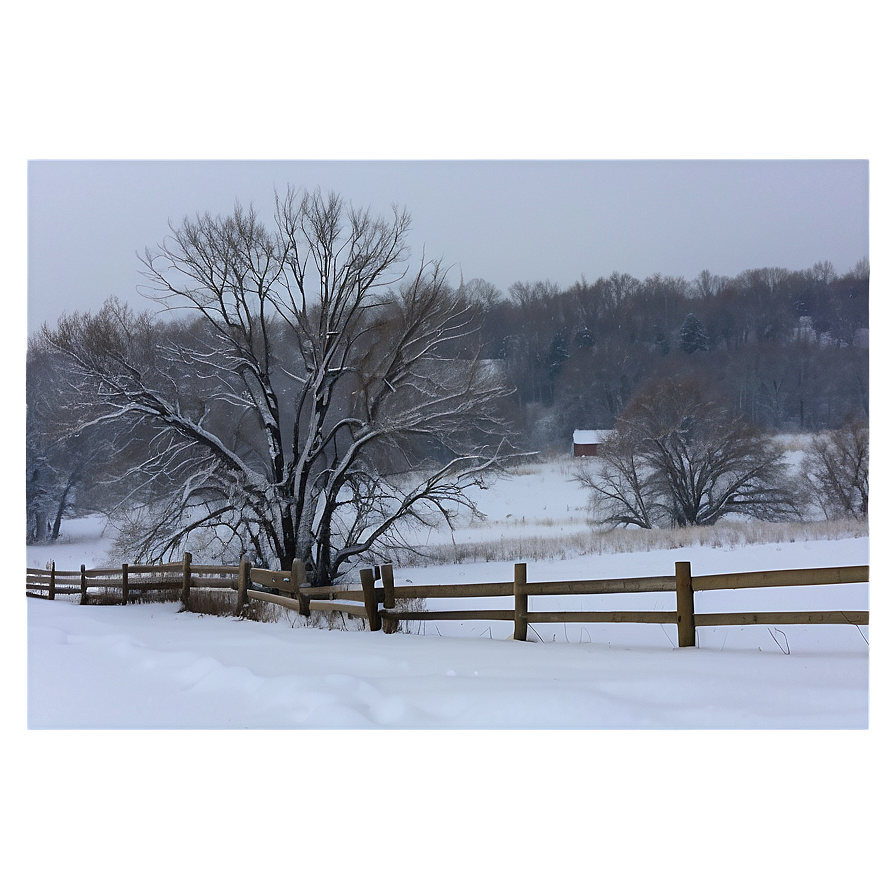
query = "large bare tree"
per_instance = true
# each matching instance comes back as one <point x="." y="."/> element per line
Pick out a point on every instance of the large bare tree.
<point x="319" y="396"/>
<point x="678" y="457"/>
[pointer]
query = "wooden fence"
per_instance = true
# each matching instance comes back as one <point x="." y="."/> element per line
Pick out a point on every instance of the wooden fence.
<point x="683" y="583"/>
<point x="386" y="604"/>
<point x="130" y="583"/>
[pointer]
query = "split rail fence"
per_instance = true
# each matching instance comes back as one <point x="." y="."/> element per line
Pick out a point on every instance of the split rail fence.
<point x="385" y="605"/>
<point x="129" y="583"/>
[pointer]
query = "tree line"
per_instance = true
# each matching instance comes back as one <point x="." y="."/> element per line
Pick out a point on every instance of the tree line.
<point x="323" y="390"/>
<point x="789" y="349"/>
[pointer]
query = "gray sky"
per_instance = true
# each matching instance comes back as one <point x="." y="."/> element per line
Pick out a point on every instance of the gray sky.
<point x="499" y="220"/>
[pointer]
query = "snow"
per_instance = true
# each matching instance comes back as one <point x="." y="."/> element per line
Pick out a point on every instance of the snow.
<point x="150" y="667"/>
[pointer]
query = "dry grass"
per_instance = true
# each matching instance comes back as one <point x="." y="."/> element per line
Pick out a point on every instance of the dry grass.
<point x="533" y="547"/>
<point x="112" y="596"/>
<point x="260" y="611"/>
<point x="213" y="602"/>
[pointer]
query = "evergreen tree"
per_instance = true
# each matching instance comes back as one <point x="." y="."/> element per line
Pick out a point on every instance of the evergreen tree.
<point x="558" y="353"/>
<point x="692" y="336"/>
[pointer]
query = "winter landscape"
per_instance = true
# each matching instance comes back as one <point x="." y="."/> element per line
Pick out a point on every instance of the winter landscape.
<point x="148" y="666"/>
<point x="304" y="397"/>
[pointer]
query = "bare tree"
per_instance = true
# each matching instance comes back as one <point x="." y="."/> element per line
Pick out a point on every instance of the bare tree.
<point x="621" y="484"/>
<point x="321" y="397"/>
<point x="706" y="285"/>
<point x="55" y="457"/>
<point x="679" y="458"/>
<point x="480" y="292"/>
<point x="41" y="474"/>
<point x="836" y="468"/>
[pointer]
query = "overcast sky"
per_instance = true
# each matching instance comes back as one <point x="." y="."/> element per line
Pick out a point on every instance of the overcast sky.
<point x="502" y="221"/>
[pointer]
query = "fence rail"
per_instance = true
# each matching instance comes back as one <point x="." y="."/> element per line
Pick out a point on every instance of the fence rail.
<point x="130" y="582"/>
<point x="385" y="605"/>
<point x="683" y="584"/>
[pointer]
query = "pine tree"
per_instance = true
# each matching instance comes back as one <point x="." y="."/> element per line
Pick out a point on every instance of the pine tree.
<point x="692" y="337"/>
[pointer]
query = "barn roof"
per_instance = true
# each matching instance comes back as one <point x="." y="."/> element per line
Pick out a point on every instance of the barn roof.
<point x="585" y="437"/>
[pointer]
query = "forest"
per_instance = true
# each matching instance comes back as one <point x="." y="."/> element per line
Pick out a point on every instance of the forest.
<point x="787" y="350"/>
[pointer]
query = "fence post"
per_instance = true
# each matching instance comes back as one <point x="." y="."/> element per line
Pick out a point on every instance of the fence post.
<point x="296" y="578"/>
<point x="370" y="602"/>
<point x="53" y="580"/>
<point x="83" y="584"/>
<point x="242" y="585"/>
<point x="520" y="602"/>
<point x="389" y="625"/>
<point x="185" y="592"/>
<point x="684" y="592"/>
<point x="125" y="591"/>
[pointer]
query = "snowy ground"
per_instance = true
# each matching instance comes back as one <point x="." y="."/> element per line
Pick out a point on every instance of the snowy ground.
<point x="150" y="667"/>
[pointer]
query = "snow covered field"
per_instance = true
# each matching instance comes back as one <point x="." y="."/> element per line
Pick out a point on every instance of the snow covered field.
<point x="150" y="667"/>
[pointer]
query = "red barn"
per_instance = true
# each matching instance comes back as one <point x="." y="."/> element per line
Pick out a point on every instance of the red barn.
<point x="584" y="443"/>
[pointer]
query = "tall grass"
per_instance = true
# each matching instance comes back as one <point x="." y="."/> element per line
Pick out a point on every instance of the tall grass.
<point x="512" y="547"/>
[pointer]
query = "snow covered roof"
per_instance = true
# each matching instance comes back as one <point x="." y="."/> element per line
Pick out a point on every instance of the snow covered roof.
<point x="585" y="437"/>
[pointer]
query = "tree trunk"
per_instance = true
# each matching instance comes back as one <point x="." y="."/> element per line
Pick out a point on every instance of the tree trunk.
<point x="61" y="508"/>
